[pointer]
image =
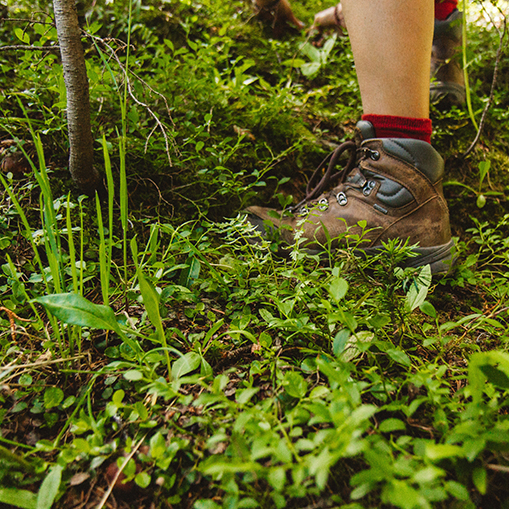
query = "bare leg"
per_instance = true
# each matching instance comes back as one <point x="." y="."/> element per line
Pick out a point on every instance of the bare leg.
<point x="391" y="42"/>
<point x="393" y="183"/>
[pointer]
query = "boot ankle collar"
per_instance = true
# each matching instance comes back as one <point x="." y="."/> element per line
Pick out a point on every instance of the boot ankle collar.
<point x="364" y="131"/>
<point x="417" y="153"/>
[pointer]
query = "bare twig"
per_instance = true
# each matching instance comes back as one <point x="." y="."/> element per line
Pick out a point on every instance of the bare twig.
<point x="119" y="471"/>
<point x="492" y="90"/>
<point x="21" y="47"/>
<point x="30" y="20"/>
<point x="12" y="315"/>
<point x="136" y="100"/>
<point x="499" y="468"/>
<point x="17" y="367"/>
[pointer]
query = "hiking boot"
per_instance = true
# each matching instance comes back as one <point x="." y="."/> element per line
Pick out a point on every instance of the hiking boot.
<point x="447" y="79"/>
<point x="393" y="184"/>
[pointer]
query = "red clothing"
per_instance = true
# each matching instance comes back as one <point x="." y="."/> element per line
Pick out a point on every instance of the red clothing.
<point x="443" y="8"/>
<point x="387" y="126"/>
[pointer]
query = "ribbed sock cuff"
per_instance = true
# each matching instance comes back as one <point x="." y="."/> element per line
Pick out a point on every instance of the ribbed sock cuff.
<point x="388" y="126"/>
<point x="443" y="8"/>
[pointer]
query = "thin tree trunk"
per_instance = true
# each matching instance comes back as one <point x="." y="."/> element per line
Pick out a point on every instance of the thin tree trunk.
<point x="81" y="163"/>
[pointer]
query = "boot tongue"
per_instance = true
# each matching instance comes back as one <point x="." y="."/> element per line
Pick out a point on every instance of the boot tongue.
<point x="364" y="131"/>
<point x="356" y="177"/>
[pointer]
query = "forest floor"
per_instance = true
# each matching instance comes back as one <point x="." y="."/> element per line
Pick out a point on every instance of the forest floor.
<point x="152" y="358"/>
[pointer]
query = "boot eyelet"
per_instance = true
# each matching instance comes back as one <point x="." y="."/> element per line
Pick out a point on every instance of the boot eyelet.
<point x="342" y="199"/>
<point x="368" y="187"/>
<point x="374" y="154"/>
<point x="323" y="204"/>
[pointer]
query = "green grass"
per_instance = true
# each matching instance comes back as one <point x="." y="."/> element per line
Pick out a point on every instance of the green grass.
<point x="144" y="334"/>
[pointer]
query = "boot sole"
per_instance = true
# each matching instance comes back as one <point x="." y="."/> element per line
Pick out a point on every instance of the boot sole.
<point x="447" y="93"/>
<point x="441" y="258"/>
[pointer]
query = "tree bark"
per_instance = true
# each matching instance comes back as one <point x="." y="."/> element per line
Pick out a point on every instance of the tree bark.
<point x="81" y="156"/>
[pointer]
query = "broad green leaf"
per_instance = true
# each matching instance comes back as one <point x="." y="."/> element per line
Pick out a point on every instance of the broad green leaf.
<point x="74" y="309"/>
<point x="205" y="368"/>
<point x="157" y="446"/>
<point x="310" y="69"/>
<point x="338" y="288"/>
<point x="311" y="52"/>
<point x="151" y="301"/>
<point x="352" y="349"/>
<point x="118" y="397"/>
<point x="327" y="47"/>
<point x="286" y="307"/>
<point x="399" y="356"/>
<point x="480" y="478"/>
<point x="265" y="340"/>
<point x="25" y="380"/>
<point x="484" y="168"/>
<point x="295" y="385"/>
<point x="266" y="315"/>
<point x="244" y="395"/>
<point x="379" y="320"/>
<point x="133" y="375"/>
<point x="391" y="425"/>
<point x="457" y="490"/>
<point x="363" y="413"/>
<point x="185" y="364"/>
<point x="428" y="475"/>
<point x="437" y="452"/>
<point x="493" y="366"/>
<point x="49" y="488"/>
<point x="401" y="494"/>
<point x="206" y="504"/>
<point x="481" y="201"/>
<point x="294" y="62"/>
<point x="142" y="479"/>
<point x="340" y="342"/>
<point x="53" y="396"/>
<point x="495" y="376"/>
<point x="189" y="275"/>
<point x="428" y="309"/>
<point x="22" y="36"/>
<point x="216" y="466"/>
<point x="23" y="499"/>
<point x="418" y="289"/>
<point x="277" y="478"/>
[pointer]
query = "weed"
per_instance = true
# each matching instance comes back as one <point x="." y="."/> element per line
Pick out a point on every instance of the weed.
<point x="144" y="334"/>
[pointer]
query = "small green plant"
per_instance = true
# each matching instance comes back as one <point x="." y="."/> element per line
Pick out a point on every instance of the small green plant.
<point x="484" y="168"/>
<point x="319" y="57"/>
<point x="146" y="333"/>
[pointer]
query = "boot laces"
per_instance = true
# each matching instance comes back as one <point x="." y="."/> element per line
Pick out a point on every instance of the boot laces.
<point x="330" y="179"/>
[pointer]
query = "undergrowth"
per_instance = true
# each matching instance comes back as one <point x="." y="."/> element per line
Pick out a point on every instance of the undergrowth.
<point x="152" y="356"/>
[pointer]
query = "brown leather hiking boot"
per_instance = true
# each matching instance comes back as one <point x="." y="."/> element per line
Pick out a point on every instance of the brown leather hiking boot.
<point x="393" y="184"/>
<point x="447" y="79"/>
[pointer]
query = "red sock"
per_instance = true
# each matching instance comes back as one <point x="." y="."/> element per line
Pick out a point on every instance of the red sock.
<point x="387" y="126"/>
<point x="443" y="8"/>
